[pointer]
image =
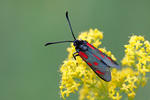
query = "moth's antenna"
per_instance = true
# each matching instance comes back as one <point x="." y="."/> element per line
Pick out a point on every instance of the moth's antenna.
<point x="56" y="42"/>
<point x="70" y="25"/>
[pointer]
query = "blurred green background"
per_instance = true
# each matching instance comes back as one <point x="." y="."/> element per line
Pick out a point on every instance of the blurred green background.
<point x="30" y="71"/>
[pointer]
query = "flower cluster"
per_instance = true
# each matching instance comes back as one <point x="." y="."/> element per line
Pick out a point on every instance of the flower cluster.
<point x="76" y="75"/>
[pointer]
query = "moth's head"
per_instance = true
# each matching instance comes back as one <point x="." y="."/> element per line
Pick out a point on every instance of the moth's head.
<point x="76" y="43"/>
<point x="80" y="44"/>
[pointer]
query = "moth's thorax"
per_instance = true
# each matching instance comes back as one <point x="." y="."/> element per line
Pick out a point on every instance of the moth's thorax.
<point x="80" y="45"/>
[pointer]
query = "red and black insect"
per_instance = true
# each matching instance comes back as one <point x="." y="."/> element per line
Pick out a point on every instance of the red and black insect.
<point x="98" y="61"/>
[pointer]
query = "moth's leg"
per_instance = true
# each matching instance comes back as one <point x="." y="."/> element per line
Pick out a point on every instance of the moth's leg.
<point x="75" y="54"/>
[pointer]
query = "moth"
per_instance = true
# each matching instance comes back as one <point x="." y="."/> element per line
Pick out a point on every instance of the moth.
<point x="98" y="61"/>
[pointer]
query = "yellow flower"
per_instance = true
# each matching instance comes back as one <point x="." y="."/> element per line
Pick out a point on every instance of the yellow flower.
<point x="117" y="97"/>
<point x="131" y="95"/>
<point x="76" y="75"/>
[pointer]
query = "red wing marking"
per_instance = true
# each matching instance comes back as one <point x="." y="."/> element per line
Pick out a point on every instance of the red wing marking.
<point x="102" y="55"/>
<point x="90" y="46"/>
<point x="100" y="51"/>
<point x="82" y="54"/>
<point x="109" y="58"/>
<point x="89" y="64"/>
<point x="95" y="63"/>
<point x="99" y="72"/>
<point x="96" y="57"/>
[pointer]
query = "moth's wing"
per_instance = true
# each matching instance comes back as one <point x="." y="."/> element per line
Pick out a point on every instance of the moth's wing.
<point x="114" y="63"/>
<point x="106" y="59"/>
<point x="103" y="71"/>
<point x="102" y="56"/>
<point x="100" y="68"/>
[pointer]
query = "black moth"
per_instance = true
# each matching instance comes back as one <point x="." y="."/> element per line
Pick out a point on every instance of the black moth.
<point x="98" y="61"/>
